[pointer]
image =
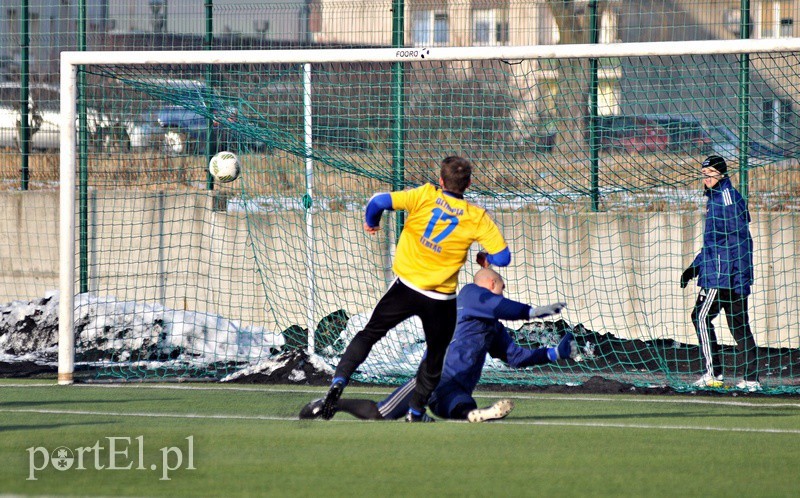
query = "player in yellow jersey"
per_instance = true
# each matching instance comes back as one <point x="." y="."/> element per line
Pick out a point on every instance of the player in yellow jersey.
<point x="437" y="234"/>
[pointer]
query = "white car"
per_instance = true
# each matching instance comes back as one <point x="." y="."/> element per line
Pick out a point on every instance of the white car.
<point x="44" y="113"/>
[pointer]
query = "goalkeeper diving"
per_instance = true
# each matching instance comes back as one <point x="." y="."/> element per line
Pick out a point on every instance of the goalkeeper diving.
<point x="481" y="306"/>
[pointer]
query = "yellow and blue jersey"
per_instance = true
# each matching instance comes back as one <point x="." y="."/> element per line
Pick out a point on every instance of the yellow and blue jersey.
<point x="436" y="237"/>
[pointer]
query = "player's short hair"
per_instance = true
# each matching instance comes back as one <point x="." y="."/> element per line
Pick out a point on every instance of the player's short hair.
<point x="456" y="174"/>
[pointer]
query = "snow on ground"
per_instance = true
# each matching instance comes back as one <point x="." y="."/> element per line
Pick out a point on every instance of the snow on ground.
<point x="130" y="335"/>
<point x="112" y="328"/>
<point x="109" y="332"/>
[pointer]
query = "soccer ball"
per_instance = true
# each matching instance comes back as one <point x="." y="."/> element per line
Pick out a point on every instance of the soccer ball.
<point x="224" y="166"/>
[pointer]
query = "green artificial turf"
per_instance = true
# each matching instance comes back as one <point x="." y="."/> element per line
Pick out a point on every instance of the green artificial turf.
<point x="246" y="441"/>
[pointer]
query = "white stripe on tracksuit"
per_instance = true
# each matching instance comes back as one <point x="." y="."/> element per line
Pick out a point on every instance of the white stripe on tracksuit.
<point x="702" y="327"/>
<point x="391" y="404"/>
<point x="726" y="197"/>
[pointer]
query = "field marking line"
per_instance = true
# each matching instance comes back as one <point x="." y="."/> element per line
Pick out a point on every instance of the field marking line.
<point x="293" y="419"/>
<point x="750" y="404"/>
<point x="150" y="414"/>
<point x="366" y="391"/>
<point x="662" y="427"/>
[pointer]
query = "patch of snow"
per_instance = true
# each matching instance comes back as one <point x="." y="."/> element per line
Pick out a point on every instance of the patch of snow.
<point x="266" y="367"/>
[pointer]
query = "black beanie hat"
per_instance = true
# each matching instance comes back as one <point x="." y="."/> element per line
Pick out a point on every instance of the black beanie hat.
<point x="717" y="163"/>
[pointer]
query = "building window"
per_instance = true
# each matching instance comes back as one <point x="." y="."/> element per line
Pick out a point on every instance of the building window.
<point x="608" y="98"/>
<point x="430" y="28"/>
<point x="776" y="119"/>
<point x="774" y="19"/>
<point x="787" y="28"/>
<point x="490" y="27"/>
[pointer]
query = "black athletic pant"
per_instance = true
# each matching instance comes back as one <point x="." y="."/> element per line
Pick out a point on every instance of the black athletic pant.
<point x="399" y="303"/>
<point x="709" y="302"/>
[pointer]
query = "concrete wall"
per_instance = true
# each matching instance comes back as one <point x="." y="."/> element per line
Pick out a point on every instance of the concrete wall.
<point x="28" y="244"/>
<point x="618" y="272"/>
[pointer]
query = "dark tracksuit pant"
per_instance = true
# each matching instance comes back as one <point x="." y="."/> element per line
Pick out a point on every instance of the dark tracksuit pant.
<point x="397" y="304"/>
<point x="707" y="308"/>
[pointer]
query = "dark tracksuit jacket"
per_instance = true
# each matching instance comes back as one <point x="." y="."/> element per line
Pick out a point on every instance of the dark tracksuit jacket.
<point x="726" y="260"/>
<point x="478" y="332"/>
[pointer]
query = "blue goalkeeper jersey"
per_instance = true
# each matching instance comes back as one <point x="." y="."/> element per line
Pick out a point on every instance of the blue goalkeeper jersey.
<point x="478" y="332"/>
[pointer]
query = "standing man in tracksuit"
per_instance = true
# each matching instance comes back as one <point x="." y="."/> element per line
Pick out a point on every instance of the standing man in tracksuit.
<point x="725" y="270"/>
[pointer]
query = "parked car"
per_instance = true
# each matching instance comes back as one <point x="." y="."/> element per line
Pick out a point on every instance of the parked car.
<point x="44" y="118"/>
<point x="43" y="115"/>
<point x="9" y="68"/>
<point x="725" y="143"/>
<point x="182" y="129"/>
<point x="685" y="133"/>
<point x="631" y="134"/>
<point x="143" y="133"/>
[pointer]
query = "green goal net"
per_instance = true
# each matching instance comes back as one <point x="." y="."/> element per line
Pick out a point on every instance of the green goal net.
<point x="587" y="156"/>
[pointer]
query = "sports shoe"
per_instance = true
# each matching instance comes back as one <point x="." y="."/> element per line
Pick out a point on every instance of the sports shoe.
<point x="413" y="417"/>
<point x="567" y="348"/>
<point x="709" y="380"/>
<point x="495" y="412"/>
<point x="312" y="410"/>
<point x="749" y="385"/>
<point x="329" y="403"/>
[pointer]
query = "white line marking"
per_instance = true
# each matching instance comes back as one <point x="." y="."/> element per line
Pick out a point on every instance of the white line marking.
<point x="615" y="398"/>
<point x="137" y="414"/>
<point x="661" y="427"/>
<point x="668" y="401"/>
<point x="506" y="421"/>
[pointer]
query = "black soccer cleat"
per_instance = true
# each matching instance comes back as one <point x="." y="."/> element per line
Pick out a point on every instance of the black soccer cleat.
<point x="312" y="410"/>
<point x="329" y="403"/>
<point x="413" y="417"/>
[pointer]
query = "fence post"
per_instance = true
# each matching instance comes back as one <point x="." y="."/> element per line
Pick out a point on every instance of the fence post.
<point x="208" y="42"/>
<point x="744" y="102"/>
<point x="24" y="122"/>
<point x="398" y="106"/>
<point x="83" y="158"/>
<point x="594" y="152"/>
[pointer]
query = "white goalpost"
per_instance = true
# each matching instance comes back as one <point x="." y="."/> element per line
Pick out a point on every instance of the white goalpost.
<point x="596" y="309"/>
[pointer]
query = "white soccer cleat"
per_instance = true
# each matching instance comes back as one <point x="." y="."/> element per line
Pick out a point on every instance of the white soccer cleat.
<point x="709" y="380"/>
<point x="499" y="410"/>
<point x="749" y="385"/>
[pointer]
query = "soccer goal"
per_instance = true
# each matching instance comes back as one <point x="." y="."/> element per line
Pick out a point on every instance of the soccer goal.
<point x="587" y="156"/>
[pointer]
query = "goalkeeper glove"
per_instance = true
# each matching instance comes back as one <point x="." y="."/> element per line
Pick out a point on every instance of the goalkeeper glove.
<point x="687" y="275"/>
<point x="550" y="309"/>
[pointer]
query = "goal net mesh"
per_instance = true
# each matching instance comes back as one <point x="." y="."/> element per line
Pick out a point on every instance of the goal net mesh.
<point x="599" y="196"/>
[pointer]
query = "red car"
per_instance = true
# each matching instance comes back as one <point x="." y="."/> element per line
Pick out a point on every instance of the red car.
<point x="631" y="134"/>
<point x="646" y="137"/>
